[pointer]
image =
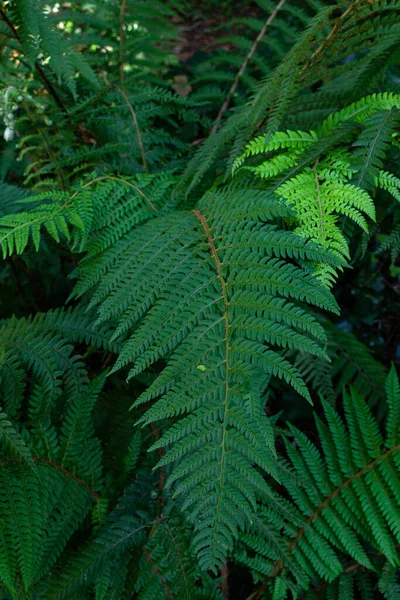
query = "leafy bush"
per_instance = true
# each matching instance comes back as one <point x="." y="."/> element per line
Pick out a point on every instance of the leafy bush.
<point x="198" y="343"/>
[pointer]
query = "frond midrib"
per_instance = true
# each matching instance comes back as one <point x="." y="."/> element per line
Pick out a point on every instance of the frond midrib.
<point x="218" y="267"/>
<point x="316" y="513"/>
<point x="57" y="467"/>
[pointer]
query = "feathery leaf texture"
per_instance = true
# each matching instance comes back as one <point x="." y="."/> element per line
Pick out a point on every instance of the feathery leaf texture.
<point x="334" y="52"/>
<point x="48" y="477"/>
<point x="201" y="281"/>
<point x="351" y="363"/>
<point x="334" y="186"/>
<point x="213" y="292"/>
<point x="115" y="207"/>
<point x="344" y="496"/>
<point x="166" y="568"/>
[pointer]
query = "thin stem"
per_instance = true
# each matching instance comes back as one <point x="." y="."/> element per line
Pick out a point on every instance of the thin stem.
<point x="121" y="89"/>
<point x="157" y="573"/>
<point x="58" y="467"/>
<point x="242" y="69"/>
<point x="225" y="580"/>
<point x="279" y="565"/>
<point x="161" y="480"/>
<point x="122" y="40"/>
<point x="47" y="83"/>
<point x="136" y="125"/>
<point x="112" y="177"/>
<point x="225" y="404"/>
<point x="336" y="25"/>
<point x="329" y="37"/>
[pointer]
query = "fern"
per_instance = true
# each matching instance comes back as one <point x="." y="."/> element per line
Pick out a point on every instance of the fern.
<point x="50" y="471"/>
<point x="329" y="181"/>
<point x="351" y="363"/>
<point x="75" y="216"/>
<point x="343" y="496"/>
<point x="359" y="585"/>
<point x="12" y="440"/>
<point x="112" y="541"/>
<point x="260" y="455"/>
<point x="372" y="146"/>
<point x="43" y="507"/>
<point x="38" y="37"/>
<point x="224" y="324"/>
<point x="165" y="567"/>
<point x="336" y="33"/>
<point x="233" y="321"/>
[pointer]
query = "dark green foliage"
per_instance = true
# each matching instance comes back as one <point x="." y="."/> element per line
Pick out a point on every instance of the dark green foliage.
<point x="198" y="346"/>
<point x="342" y="495"/>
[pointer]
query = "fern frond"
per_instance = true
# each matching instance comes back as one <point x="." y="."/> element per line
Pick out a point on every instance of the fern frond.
<point x="330" y="180"/>
<point x="346" y="493"/>
<point x="166" y="569"/>
<point x="372" y="146"/>
<point x="38" y="37"/>
<point x="114" y="207"/>
<point x="43" y="506"/>
<point x="41" y="510"/>
<point x="78" y="446"/>
<point x="12" y="441"/>
<point x="79" y="568"/>
<point x="215" y="303"/>
<point x="56" y="217"/>
<point x="334" y="35"/>
<point x="77" y="325"/>
<point x="351" y="363"/>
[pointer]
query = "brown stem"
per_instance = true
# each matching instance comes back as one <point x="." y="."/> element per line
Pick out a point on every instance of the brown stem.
<point x="42" y="75"/>
<point x="161" y="480"/>
<point x="50" y="88"/>
<point x="58" y="467"/>
<point x="107" y="361"/>
<point x="121" y="89"/>
<point x="355" y="566"/>
<point x="218" y="264"/>
<point x="122" y="40"/>
<point x="329" y="37"/>
<point x="157" y="573"/>
<point x="137" y="129"/>
<point x="114" y="178"/>
<point x="242" y="69"/>
<point x="360" y="371"/>
<point x="279" y="565"/>
<point x="334" y="30"/>
<point x="225" y="580"/>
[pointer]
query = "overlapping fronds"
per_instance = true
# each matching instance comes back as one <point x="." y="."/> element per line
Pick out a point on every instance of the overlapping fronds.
<point x="356" y="583"/>
<point x="111" y="207"/>
<point x="344" y="497"/>
<point x="52" y="462"/>
<point x="218" y="302"/>
<point x="33" y="29"/>
<point x="351" y="363"/>
<point x="47" y="479"/>
<point x="341" y="51"/>
<point x="325" y="186"/>
<point x="196" y="286"/>
<point x="166" y="568"/>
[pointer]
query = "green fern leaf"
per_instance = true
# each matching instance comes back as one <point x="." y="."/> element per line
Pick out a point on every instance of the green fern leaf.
<point x="346" y="493"/>
<point x="13" y="441"/>
<point x="179" y="286"/>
